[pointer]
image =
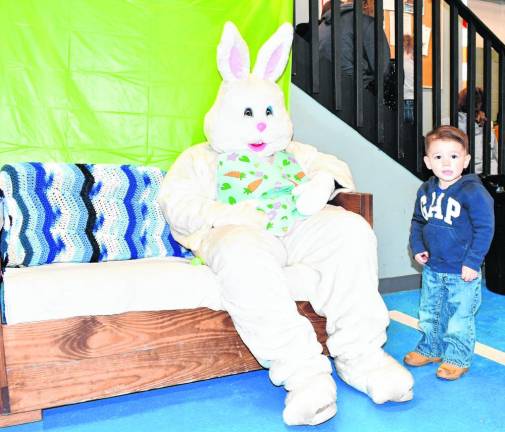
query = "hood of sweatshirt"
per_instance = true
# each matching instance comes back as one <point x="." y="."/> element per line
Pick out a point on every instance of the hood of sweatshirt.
<point x="465" y="180"/>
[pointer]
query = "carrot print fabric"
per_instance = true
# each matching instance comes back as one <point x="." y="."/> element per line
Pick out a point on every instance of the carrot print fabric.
<point x="245" y="176"/>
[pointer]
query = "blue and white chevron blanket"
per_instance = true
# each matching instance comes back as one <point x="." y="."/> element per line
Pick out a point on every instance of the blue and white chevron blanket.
<point x="57" y="212"/>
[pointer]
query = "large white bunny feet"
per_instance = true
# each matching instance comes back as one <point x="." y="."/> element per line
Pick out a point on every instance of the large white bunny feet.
<point x="380" y="376"/>
<point x="312" y="401"/>
<point x="390" y="382"/>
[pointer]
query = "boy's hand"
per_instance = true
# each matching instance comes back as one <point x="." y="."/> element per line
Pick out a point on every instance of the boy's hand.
<point x="422" y="257"/>
<point x="468" y="274"/>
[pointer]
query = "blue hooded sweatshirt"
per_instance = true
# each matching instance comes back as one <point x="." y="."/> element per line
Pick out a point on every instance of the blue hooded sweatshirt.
<point x="455" y="225"/>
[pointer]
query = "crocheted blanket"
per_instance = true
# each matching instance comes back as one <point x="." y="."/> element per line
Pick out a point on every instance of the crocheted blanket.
<point x="55" y="212"/>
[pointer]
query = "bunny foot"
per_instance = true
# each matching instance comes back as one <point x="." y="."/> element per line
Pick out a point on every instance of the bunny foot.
<point x="380" y="376"/>
<point x="312" y="402"/>
<point x="390" y="382"/>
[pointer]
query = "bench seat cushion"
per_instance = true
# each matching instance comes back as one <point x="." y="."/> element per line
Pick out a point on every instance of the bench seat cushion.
<point x="65" y="290"/>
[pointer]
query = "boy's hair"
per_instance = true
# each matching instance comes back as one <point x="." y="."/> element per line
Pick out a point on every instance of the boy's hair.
<point x="446" y="133"/>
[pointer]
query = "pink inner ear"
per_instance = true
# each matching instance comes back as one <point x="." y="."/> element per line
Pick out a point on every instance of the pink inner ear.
<point x="236" y="63"/>
<point x="273" y="61"/>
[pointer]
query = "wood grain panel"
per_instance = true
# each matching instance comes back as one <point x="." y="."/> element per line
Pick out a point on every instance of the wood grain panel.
<point x="54" y="384"/>
<point x="318" y="322"/>
<point x="20" y="418"/>
<point x="4" y="389"/>
<point x="88" y="358"/>
<point x="98" y="336"/>
<point x="361" y="203"/>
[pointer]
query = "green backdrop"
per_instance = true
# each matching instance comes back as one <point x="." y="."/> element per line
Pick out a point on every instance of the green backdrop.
<point x="117" y="81"/>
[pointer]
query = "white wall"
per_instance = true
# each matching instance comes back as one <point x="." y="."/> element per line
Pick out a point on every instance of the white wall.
<point x="491" y="14"/>
<point x="393" y="187"/>
<point x="301" y="11"/>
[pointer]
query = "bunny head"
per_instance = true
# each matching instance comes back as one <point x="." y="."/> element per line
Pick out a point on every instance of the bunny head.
<point x="249" y="111"/>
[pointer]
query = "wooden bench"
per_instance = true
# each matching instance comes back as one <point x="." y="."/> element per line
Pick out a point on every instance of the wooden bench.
<point x="52" y="363"/>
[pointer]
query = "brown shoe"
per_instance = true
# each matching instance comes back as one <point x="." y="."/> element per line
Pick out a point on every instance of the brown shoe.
<point x="450" y="372"/>
<point x="413" y="358"/>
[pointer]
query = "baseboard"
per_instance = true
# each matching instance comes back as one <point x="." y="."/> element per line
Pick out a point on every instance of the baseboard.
<point x="400" y="283"/>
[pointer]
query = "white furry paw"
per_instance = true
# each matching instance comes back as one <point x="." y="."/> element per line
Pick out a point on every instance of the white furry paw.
<point x="390" y="382"/>
<point x="312" y="403"/>
<point x="313" y="195"/>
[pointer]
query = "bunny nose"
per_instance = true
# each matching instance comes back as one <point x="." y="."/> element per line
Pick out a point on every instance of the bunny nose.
<point x="261" y="126"/>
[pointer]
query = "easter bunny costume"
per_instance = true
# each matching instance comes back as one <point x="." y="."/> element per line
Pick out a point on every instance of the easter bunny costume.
<point x="330" y="250"/>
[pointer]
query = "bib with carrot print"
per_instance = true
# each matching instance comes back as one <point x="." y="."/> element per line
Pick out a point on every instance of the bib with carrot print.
<point x="244" y="176"/>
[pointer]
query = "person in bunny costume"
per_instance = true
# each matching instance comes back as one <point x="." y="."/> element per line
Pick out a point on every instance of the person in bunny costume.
<point x="252" y="204"/>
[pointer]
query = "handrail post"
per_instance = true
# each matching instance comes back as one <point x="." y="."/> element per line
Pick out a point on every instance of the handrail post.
<point x="501" y="111"/>
<point x="470" y="95"/>
<point x="379" y="73"/>
<point x="454" y="64"/>
<point x="358" y="55"/>
<point x="418" y="80"/>
<point x="336" y="50"/>
<point x="399" y="77"/>
<point x="488" y="86"/>
<point x="314" y="44"/>
<point x="436" y="65"/>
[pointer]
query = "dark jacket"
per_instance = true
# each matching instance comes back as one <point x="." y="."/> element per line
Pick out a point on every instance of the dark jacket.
<point x="347" y="43"/>
<point x="455" y="225"/>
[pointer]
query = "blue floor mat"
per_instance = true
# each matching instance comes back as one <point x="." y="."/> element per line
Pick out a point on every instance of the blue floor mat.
<point x="490" y="320"/>
<point x="249" y="402"/>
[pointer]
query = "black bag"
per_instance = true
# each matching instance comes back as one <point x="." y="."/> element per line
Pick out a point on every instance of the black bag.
<point x="390" y="87"/>
<point x="495" y="258"/>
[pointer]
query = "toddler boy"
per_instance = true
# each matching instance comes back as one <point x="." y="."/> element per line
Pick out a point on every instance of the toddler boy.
<point x="451" y="231"/>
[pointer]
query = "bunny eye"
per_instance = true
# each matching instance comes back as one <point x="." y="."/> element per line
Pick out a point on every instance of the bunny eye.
<point x="269" y="111"/>
<point x="248" y="112"/>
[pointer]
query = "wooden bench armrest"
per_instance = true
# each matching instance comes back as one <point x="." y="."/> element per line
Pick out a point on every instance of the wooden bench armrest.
<point x="357" y="202"/>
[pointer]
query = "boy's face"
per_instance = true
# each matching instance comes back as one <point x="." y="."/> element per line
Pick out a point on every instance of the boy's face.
<point x="447" y="160"/>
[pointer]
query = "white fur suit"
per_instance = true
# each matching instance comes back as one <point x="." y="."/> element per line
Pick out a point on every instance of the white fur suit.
<point x="328" y="258"/>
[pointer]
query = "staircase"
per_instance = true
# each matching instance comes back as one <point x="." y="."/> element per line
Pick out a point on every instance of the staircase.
<point x="461" y="53"/>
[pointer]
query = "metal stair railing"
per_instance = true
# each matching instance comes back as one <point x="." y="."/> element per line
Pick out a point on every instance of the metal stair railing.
<point x="404" y="144"/>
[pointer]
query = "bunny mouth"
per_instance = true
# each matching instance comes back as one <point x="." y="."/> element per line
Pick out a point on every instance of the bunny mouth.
<point x="257" y="147"/>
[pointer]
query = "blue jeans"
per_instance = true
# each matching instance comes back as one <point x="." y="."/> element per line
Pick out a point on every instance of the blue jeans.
<point x="447" y="316"/>
<point x="408" y="110"/>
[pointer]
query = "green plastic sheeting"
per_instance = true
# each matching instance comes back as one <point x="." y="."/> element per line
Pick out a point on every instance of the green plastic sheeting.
<point x="116" y="81"/>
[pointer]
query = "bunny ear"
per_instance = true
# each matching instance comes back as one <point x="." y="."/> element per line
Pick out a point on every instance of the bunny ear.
<point x="232" y="54"/>
<point x="273" y="55"/>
